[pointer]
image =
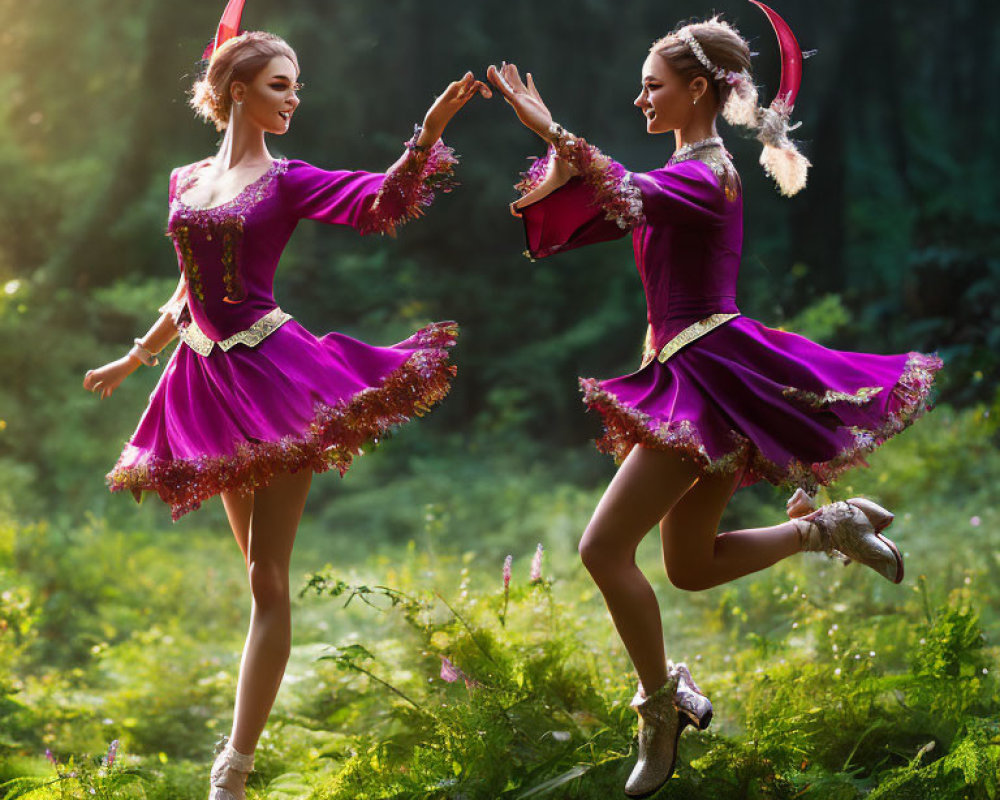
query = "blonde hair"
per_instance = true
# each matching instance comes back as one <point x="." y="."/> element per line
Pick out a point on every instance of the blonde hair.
<point x="240" y="59"/>
<point x="735" y="95"/>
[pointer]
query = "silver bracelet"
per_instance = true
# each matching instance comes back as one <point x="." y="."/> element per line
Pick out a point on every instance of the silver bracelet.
<point x="557" y="133"/>
<point x="145" y="356"/>
<point x="412" y="144"/>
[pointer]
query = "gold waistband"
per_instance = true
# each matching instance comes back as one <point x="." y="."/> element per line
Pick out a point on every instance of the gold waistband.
<point x="195" y="338"/>
<point x="684" y="338"/>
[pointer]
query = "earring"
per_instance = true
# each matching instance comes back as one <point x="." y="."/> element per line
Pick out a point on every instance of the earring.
<point x="694" y="102"/>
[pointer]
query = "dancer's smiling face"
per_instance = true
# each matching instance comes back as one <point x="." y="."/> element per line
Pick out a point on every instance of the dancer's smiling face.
<point x="666" y="99"/>
<point x="270" y="99"/>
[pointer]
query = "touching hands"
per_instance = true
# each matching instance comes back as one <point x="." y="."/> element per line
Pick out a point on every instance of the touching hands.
<point x="448" y="104"/>
<point x="525" y="99"/>
<point x="104" y="380"/>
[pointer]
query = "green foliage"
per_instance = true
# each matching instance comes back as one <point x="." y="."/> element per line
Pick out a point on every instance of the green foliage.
<point x="113" y="624"/>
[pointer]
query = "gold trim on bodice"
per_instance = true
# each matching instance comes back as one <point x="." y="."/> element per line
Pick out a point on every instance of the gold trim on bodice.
<point x="195" y="338"/>
<point x="684" y="338"/>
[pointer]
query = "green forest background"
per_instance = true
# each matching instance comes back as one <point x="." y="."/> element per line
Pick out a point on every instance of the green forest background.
<point x="116" y="625"/>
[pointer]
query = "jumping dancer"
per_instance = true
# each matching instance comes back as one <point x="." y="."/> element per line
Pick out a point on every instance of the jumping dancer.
<point x="719" y="400"/>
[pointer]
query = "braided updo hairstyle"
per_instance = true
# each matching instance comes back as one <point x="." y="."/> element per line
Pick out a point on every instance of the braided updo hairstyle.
<point x="735" y="95"/>
<point x="239" y="59"/>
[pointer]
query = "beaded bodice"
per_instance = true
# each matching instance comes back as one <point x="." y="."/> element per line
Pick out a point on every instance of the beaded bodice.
<point x="223" y="224"/>
<point x="711" y="152"/>
<point x="229" y="252"/>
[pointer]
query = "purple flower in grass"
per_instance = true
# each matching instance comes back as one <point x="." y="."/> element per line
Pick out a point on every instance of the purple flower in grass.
<point x="536" y="565"/>
<point x="51" y="758"/>
<point x="506" y="572"/>
<point x="449" y="672"/>
<point x="109" y="760"/>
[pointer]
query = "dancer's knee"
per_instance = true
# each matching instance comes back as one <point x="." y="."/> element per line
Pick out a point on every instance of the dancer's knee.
<point x="687" y="577"/>
<point x="269" y="585"/>
<point x="600" y="557"/>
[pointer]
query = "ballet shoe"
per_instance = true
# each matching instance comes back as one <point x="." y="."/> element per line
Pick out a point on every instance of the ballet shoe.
<point x="659" y="729"/>
<point x="852" y="531"/>
<point x="229" y="772"/>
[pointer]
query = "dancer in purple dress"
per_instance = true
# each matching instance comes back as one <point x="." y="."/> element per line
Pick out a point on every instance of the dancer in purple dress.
<point x="251" y="404"/>
<point x="719" y="400"/>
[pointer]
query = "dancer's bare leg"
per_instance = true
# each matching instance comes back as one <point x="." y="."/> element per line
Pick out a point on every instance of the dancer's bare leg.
<point x="644" y="489"/>
<point x="239" y="508"/>
<point x="697" y="557"/>
<point x="276" y="511"/>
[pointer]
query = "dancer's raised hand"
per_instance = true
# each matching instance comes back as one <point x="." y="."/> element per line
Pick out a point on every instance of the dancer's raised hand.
<point x="448" y="104"/>
<point x="527" y="102"/>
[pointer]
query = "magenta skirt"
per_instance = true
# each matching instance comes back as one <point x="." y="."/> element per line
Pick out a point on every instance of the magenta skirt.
<point x="232" y="420"/>
<point x="772" y="404"/>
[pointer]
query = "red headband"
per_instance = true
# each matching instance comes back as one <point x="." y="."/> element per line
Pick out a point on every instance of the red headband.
<point x="791" y="57"/>
<point x="229" y="27"/>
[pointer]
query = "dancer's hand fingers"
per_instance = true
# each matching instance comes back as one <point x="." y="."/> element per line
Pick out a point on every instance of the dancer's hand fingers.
<point x="531" y="88"/>
<point x="514" y="78"/>
<point x="495" y="76"/>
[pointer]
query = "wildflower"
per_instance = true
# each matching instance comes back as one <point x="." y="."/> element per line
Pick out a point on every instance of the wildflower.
<point x="51" y="758"/>
<point x="506" y="572"/>
<point x="449" y="672"/>
<point x="975" y="522"/>
<point x="109" y="760"/>
<point x="536" y="565"/>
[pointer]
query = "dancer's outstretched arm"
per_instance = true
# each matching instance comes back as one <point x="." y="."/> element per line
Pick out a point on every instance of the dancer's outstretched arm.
<point x="448" y="103"/>
<point x="535" y="115"/>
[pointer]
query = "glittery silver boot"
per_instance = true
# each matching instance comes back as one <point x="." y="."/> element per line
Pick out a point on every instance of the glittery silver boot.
<point x="229" y="772"/>
<point x="853" y="529"/>
<point x="659" y="728"/>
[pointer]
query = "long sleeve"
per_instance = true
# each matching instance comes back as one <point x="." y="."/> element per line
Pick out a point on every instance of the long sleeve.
<point x="597" y="205"/>
<point x="370" y="202"/>
<point x="605" y="201"/>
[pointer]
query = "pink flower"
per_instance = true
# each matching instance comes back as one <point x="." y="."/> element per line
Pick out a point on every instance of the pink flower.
<point x="112" y="754"/>
<point x="449" y="672"/>
<point x="506" y="572"/>
<point x="51" y="758"/>
<point x="536" y="565"/>
<point x="975" y="522"/>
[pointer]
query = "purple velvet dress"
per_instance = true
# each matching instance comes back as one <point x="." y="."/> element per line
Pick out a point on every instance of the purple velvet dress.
<point x="730" y="393"/>
<point x="249" y="392"/>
